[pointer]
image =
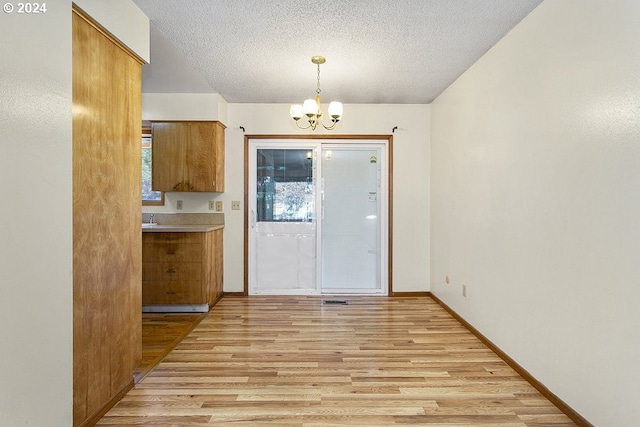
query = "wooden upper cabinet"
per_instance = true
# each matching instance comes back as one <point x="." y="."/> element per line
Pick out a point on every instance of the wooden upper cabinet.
<point x="188" y="156"/>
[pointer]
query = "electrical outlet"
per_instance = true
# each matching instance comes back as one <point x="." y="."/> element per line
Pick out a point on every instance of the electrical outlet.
<point x="464" y="291"/>
<point x="179" y="205"/>
<point x="212" y="205"/>
<point x="218" y="205"/>
<point x="235" y="205"/>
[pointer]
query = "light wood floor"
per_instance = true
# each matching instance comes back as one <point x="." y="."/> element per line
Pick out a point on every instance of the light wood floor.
<point x="293" y="361"/>
<point x="161" y="332"/>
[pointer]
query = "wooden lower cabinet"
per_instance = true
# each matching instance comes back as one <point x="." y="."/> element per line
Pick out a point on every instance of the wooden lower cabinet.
<point x="181" y="268"/>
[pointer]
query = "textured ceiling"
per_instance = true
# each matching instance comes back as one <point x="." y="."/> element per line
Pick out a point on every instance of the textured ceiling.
<point x="378" y="51"/>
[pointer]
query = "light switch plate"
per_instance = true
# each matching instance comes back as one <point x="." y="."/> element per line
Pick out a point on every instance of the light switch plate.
<point x="218" y="205"/>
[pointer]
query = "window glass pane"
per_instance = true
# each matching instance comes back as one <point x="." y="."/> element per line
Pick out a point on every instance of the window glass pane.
<point x="148" y="195"/>
<point x="285" y="185"/>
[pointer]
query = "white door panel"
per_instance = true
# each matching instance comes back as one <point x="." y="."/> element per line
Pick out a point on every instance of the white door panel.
<point x="285" y="258"/>
<point x="351" y="232"/>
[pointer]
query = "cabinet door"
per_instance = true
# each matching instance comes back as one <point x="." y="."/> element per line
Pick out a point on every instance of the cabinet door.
<point x="185" y="286"/>
<point x="188" y="156"/>
<point x="172" y="268"/>
<point x="168" y="156"/>
<point x="200" y="162"/>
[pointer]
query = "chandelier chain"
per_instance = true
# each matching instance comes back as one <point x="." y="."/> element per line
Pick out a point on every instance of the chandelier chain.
<point x="318" y="89"/>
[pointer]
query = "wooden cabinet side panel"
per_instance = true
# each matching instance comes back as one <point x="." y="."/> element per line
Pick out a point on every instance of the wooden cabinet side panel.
<point x="106" y="219"/>
<point x="219" y="157"/>
<point x="208" y="263"/>
<point x="169" y="148"/>
<point x="219" y="263"/>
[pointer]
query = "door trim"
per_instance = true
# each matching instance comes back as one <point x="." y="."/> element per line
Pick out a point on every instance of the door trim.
<point x="387" y="138"/>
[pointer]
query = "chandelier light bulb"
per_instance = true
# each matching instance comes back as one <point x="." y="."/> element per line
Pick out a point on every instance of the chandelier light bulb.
<point x="310" y="108"/>
<point x="296" y="111"/>
<point x="335" y="110"/>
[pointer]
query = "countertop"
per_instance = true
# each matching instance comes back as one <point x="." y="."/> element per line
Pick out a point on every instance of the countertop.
<point x="180" y="228"/>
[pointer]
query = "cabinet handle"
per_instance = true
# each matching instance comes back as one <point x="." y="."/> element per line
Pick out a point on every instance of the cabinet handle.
<point x="171" y="293"/>
<point x="171" y="252"/>
<point x="171" y="270"/>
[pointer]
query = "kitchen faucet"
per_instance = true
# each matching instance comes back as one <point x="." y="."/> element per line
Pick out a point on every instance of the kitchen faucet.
<point x="151" y="219"/>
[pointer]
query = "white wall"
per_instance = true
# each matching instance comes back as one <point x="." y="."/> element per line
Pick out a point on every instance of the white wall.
<point x="36" y="247"/>
<point x="35" y="219"/>
<point x="124" y="20"/>
<point x="410" y="175"/>
<point x="184" y="106"/>
<point x="536" y="201"/>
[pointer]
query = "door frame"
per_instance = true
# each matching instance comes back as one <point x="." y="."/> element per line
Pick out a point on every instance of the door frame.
<point x="386" y="139"/>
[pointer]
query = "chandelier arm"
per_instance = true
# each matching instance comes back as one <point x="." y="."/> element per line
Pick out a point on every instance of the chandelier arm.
<point x="331" y="126"/>
<point x="302" y="127"/>
<point x="314" y="120"/>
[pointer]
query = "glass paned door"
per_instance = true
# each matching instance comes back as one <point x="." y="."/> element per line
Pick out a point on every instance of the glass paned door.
<point x="317" y="220"/>
<point x="282" y="225"/>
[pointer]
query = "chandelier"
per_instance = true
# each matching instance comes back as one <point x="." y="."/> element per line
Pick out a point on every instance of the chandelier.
<point x="311" y="107"/>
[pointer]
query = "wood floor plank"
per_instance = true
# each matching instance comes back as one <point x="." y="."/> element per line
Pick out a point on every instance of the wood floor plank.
<point x="161" y="332"/>
<point x="294" y="361"/>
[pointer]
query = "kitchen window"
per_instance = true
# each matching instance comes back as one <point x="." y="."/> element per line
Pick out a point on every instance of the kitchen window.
<point x="149" y="197"/>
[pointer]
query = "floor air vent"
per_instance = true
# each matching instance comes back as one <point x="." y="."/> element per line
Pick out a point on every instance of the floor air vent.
<point x="335" y="301"/>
